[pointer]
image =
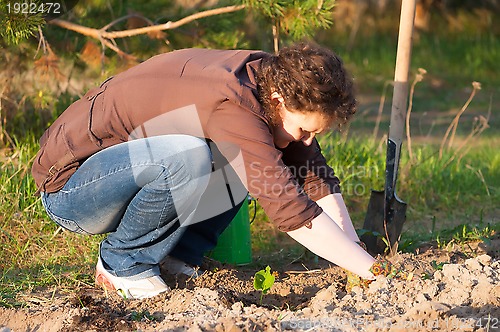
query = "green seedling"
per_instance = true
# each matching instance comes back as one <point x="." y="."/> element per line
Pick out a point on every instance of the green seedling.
<point x="263" y="281"/>
<point x="437" y="266"/>
<point x="142" y="316"/>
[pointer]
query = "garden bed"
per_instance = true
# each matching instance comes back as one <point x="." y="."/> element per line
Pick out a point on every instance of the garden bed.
<point x="454" y="291"/>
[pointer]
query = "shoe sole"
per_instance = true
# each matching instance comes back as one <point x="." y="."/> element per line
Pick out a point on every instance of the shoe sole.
<point x="103" y="282"/>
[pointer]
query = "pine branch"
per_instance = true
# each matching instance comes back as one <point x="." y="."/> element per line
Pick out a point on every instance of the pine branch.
<point x="297" y="18"/>
<point x="16" y="26"/>
<point x="107" y="37"/>
<point x="102" y="33"/>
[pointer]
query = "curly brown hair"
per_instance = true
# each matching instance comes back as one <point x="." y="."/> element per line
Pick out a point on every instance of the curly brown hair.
<point x="310" y="78"/>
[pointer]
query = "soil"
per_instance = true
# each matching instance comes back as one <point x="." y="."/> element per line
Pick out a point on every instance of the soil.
<point x="451" y="291"/>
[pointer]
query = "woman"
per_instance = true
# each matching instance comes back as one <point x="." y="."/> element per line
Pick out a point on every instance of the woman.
<point x="162" y="156"/>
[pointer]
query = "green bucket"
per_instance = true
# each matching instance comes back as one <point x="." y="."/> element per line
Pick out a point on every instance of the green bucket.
<point x="234" y="244"/>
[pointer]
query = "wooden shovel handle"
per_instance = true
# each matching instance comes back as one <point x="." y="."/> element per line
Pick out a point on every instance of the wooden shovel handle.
<point x="400" y="95"/>
<point x="403" y="57"/>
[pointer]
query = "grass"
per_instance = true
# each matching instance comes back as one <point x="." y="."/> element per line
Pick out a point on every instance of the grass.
<point x="428" y="183"/>
<point x="451" y="199"/>
<point x="34" y="252"/>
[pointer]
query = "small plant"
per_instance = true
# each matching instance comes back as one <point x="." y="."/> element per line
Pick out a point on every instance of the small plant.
<point x="142" y="316"/>
<point x="437" y="266"/>
<point x="263" y="281"/>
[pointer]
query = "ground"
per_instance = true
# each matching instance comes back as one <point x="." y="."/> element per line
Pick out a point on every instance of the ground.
<point x="456" y="289"/>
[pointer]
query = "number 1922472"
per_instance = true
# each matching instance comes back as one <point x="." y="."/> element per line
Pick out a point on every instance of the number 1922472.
<point x="31" y="8"/>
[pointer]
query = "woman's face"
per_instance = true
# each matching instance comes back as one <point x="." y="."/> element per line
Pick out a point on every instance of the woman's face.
<point x="296" y="126"/>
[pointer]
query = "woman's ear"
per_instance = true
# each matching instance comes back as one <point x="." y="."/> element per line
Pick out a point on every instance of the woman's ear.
<point x="276" y="98"/>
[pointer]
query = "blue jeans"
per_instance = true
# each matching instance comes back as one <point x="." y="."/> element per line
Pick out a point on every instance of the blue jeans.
<point x="145" y="194"/>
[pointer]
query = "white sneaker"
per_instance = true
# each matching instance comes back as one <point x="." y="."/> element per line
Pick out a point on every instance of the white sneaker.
<point x="177" y="267"/>
<point x="129" y="288"/>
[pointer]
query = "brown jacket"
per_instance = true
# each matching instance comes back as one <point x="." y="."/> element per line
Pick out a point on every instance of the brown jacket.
<point x="199" y="92"/>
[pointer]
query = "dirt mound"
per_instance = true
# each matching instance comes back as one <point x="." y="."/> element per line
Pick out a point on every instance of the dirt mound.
<point x="452" y="292"/>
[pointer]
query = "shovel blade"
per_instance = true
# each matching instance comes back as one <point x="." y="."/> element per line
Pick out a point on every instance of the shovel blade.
<point x="376" y="221"/>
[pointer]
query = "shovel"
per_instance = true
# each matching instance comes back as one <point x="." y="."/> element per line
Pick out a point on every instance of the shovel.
<point x="386" y="212"/>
